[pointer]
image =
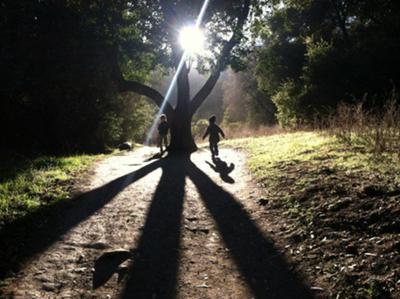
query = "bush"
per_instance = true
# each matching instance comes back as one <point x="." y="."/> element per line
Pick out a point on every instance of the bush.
<point x="378" y="130"/>
<point x="199" y="127"/>
<point x="286" y="101"/>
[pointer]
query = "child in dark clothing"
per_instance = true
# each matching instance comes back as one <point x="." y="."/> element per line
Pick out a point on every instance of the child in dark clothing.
<point x="214" y="131"/>
<point x="163" y="128"/>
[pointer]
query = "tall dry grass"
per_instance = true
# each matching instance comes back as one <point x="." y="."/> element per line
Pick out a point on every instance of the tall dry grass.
<point x="243" y="131"/>
<point x="378" y="130"/>
<point x="236" y="130"/>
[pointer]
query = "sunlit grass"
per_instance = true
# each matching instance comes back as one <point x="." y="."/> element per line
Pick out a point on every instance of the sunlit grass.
<point x="27" y="185"/>
<point x="271" y="156"/>
<point x="329" y="195"/>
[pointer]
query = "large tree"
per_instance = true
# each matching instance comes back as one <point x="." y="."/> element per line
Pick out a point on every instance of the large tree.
<point x="157" y="25"/>
<point x="63" y="63"/>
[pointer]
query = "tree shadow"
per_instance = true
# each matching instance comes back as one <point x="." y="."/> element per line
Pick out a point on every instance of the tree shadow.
<point x="156" y="156"/>
<point x="32" y="234"/>
<point x="155" y="268"/>
<point x="156" y="259"/>
<point x="223" y="169"/>
<point x="260" y="263"/>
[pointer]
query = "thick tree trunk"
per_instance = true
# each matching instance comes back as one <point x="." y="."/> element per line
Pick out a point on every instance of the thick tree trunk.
<point x="181" y="123"/>
<point x="180" y="118"/>
<point x="181" y="136"/>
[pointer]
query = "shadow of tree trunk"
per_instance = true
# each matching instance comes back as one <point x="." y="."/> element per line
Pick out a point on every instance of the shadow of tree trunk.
<point x="156" y="263"/>
<point x="259" y="262"/>
<point x="154" y="272"/>
<point x="30" y="235"/>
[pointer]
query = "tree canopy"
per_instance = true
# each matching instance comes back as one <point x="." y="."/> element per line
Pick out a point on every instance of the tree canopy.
<point x="79" y="75"/>
<point x="316" y="53"/>
<point x="65" y="62"/>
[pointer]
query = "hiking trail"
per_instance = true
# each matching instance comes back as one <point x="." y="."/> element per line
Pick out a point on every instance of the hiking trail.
<point x="167" y="228"/>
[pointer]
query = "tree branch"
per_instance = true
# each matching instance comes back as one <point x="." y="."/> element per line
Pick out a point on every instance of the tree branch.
<point x="140" y="88"/>
<point x="203" y="93"/>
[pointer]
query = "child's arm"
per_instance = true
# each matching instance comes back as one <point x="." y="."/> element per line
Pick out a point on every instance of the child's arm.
<point x="221" y="132"/>
<point x="206" y="133"/>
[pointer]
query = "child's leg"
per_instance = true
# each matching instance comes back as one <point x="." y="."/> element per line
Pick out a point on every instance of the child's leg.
<point x="160" y="143"/>
<point x="212" y="149"/>
<point x="165" y="139"/>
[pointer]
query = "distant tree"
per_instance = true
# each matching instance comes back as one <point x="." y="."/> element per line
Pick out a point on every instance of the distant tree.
<point x="240" y="90"/>
<point x="316" y="53"/>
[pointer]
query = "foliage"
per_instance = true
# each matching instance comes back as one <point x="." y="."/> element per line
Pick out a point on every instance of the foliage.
<point x="377" y="131"/>
<point x="329" y="51"/>
<point x="240" y="90"/>
<point x="57" y="86"/>
<point x="65" y="64"/>
<point x="199" y="128"/>
<point x="287" y="102"/>
<point x="28" y="184"/>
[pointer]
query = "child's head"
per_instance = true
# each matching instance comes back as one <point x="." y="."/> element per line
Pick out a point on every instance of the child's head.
<point x="163" y="117"/>
<point x="212" y="119"/>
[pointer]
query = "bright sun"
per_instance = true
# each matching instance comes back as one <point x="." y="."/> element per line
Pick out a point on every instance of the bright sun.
<point x="191" y="39"/>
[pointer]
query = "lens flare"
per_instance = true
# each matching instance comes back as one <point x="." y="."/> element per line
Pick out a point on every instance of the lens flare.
<point x="191" y="39"/>
<point x="174" y="79"/>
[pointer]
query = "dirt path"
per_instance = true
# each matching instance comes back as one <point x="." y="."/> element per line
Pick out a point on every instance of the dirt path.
<point x="169" y="228"/>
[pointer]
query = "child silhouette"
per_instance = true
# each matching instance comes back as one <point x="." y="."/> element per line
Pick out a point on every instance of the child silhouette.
<point x="213" y="130"/>
<point x="163" y="129"/>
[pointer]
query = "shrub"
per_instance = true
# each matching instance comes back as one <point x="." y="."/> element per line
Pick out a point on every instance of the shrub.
<point x="286" y="101"/>
<point x="199" y="127"/>
<point x="377" y="129"/>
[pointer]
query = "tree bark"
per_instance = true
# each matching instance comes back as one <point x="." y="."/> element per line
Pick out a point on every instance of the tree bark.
<point x="124" y="85"/>
<point x="203" y="93"/>
<point x="181" y="123"/>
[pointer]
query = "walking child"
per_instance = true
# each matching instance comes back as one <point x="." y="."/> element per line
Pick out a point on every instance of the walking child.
<point x="214" y="131"/>
<point x="163" y="128"/>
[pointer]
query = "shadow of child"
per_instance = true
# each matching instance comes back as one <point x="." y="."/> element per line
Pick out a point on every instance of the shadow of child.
<point x="223" y="169"/>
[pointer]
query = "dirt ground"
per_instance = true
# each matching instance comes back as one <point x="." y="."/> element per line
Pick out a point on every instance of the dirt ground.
<point x="163" y="228"/>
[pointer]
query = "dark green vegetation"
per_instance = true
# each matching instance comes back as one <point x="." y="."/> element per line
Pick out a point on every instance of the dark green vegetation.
<point x="77" y="75"/>
<point x="69" y="68"/>
<point x="317" y="53"/>
<point x="27" y="185"/>
<point x="339" y="209"/>
<point x="57" y="92"/>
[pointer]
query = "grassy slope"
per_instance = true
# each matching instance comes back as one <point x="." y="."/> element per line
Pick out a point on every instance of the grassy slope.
<point x="26" y="185"/>
<point x="340" y="208"/>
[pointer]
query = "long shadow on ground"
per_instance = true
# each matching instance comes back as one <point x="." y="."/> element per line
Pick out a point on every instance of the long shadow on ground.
<point x="22" y="239"/>
<point x="156" y="260"/>
<point x="155" y="268"/>
<point x="261" y="265"/>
